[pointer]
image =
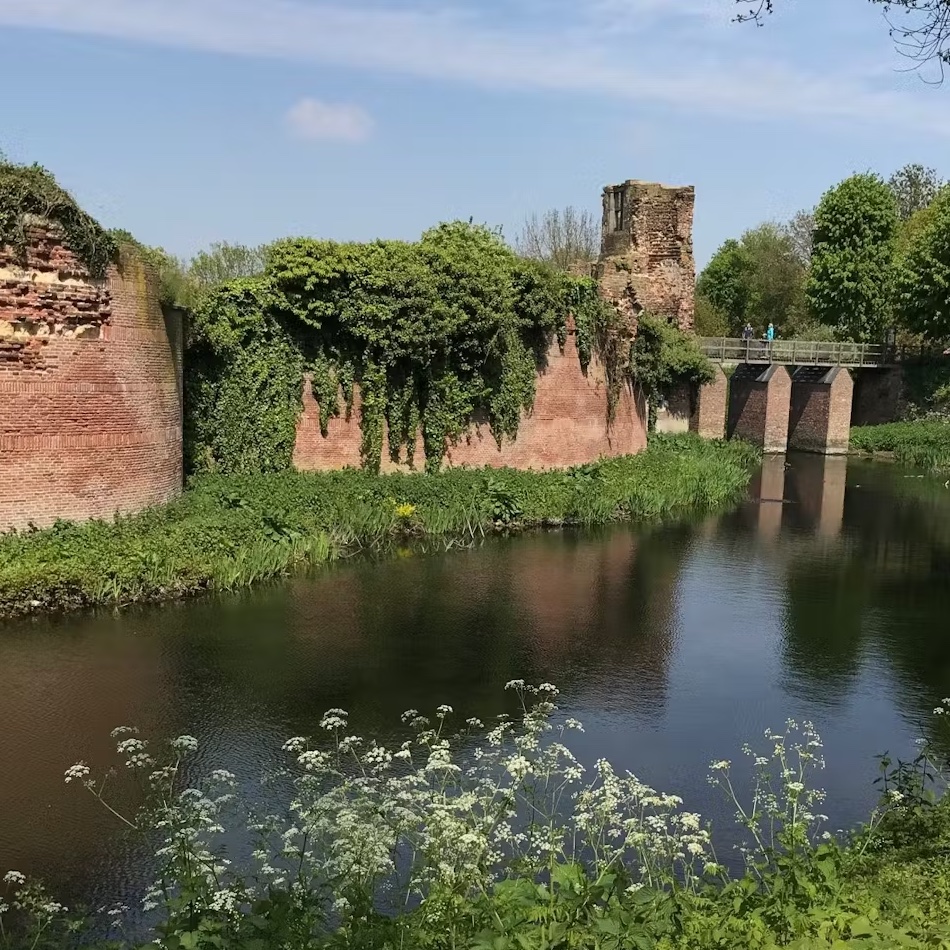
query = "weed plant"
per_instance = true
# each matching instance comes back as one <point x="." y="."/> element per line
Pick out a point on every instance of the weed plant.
<point x="496" y="837"/>
<point x="923" y="443"/>
<point x="226" y="532"/>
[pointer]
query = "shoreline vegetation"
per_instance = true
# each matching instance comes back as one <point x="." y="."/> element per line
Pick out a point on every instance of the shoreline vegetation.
<point x="228" y="532"/>
<point x="498" y="837"/>
<point x="922" y="443"/>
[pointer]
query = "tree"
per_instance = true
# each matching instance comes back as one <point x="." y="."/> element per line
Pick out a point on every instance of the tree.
<point x="560" y="238"/>
<point x="922" y="34"/>
<point x="758" y="279"/>
<point x="922" y="283"/>
<point x="223" y="261"/>
<point x="849" y="285"/>
<point x="914" y="187"/>
<point x="800" y="231"/>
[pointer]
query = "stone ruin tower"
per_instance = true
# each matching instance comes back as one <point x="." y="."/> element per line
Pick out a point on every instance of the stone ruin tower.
<point x="646" y="257"/>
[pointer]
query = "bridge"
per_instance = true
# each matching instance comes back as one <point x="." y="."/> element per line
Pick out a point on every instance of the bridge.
<point x="730" y="351"/>
<point x="789" y="394"/>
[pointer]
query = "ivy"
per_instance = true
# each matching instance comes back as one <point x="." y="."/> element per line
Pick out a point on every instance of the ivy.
<point x="663" y="358"/>
<point x="436" y="333"/>
<point x="30" y="191"/>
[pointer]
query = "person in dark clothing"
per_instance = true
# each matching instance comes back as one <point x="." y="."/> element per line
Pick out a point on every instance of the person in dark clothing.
<point x="747" y="332"/>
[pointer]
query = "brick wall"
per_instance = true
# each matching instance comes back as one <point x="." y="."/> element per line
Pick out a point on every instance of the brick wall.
<point x="646" y="260"/>
<point x="90" y="388"/>
<point x="820" y="412"/>
<point x="759" y="406"/>
<point x="566" y="426"/>
<point x="878" y="396"/>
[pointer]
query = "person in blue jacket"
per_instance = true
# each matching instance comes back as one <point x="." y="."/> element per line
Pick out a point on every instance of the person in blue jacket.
<point x="770" y="333"/>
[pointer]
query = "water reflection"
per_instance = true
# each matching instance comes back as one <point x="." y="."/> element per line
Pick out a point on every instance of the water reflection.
<point x="825" y="596"/>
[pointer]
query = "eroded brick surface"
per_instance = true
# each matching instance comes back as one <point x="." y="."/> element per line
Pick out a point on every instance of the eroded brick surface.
<point x="759" y="402"/>
<point x="566" y="426"/>
<point x="90" y="389"/>
<point x="708" y="419"/>
<point x="646" y="259"/>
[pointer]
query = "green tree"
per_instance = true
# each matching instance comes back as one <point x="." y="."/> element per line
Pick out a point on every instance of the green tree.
<point x="223" y="261"/>
<point x="758" y="279"/>
<point x="724" y="284"/>
<point x="914" y="187"/>
<point x="923" y="274"/>
<point x="850" y="281"/>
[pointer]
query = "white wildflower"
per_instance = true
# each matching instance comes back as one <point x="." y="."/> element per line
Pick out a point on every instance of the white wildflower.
<point x="14" y="878"/>
<point x="77" y="772"/>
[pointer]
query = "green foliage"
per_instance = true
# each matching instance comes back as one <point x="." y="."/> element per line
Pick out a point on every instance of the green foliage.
<point x="434" y="333"/>
<point x="914" y="187"/>
<point x="922" y="443"/>
<point x="517" y="847"/>
<point x="758" y="279"/>
<point x="850" y="281"/>
<point x="927" y="388"/>
<point x="709" y="320"/>
<point x="31" y="191"/>
<point x="923" y="272"/>
<point x="226" y="532"/>
<point x="664" y="358"/>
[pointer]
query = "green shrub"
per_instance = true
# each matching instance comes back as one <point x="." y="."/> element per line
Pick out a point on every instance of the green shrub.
<point x="921" y="443"/>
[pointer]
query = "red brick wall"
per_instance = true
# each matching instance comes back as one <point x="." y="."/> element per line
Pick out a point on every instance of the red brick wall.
<point x="90" y="388"/>
<point x="759" y="406"/>
<point x="820" y="417"/>
<point x="709" y="418"/>
<point x="566" y="426"/>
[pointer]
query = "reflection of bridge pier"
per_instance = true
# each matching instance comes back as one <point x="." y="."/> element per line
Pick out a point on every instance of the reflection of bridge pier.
<point x="768" y="489"/>
<point x="817" y="484"/>
<point x="785" y="394"/>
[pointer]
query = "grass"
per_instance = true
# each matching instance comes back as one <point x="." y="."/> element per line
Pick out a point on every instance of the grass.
<point x="229" y="532"/>
<point x="923" y="443"/>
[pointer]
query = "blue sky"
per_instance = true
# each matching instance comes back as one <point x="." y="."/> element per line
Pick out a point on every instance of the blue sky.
<point x="189" y="121"/>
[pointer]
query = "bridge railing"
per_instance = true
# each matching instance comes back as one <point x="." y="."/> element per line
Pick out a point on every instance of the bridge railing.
<point x="799" y="352"/>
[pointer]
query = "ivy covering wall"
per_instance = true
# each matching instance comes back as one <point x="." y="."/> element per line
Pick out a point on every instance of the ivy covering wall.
<point x="434" y="332"/>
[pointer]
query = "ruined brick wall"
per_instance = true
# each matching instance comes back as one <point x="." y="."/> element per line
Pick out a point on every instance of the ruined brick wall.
<point x="90" y="388"/>
<point x="566" y="426"/>
<point x="646" y="260"/>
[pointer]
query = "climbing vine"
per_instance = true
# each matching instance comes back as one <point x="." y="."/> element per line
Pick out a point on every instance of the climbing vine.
<point x="30" y="191"/>
<point x="436" y="333"/>
<point x="663" y="358"/>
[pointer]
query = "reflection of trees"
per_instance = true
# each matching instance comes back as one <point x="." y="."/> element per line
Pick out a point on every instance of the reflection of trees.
<point x="581" y="610"/>
<point x="884" y="590"/>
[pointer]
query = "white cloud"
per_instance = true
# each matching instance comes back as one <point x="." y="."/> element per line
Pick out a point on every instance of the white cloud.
<point x="327" y="121"/>
<point x="568" y="51"/>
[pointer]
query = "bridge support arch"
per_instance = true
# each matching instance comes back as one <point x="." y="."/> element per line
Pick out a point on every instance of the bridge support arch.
<point x="820" y="415"/>
<point x="759" y="403"/>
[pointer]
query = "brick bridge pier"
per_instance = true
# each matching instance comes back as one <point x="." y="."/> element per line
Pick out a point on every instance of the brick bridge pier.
<point x="790" y="394"/>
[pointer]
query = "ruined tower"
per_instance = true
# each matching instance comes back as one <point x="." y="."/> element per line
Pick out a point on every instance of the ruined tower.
<point x="646" y="257"/>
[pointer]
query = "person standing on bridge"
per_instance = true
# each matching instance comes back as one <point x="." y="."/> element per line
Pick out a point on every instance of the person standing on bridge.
<point x="770" y="333"/>
<point x="747" y="331"/>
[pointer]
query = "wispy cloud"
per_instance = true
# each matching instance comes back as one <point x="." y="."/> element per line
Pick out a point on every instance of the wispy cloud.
<point x="315" y="121"/>
<point x="571" y="52"/>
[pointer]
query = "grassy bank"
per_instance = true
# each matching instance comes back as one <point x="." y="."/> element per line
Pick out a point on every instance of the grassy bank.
<point x="924" y="443"/>
<point x="498" y="838"/>
<point x="228" y="532"/>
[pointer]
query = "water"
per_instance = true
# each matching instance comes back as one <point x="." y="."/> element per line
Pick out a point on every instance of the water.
<point x="673" y="645"/>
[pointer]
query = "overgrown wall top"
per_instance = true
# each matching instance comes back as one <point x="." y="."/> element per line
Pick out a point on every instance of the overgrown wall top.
<point x="90" y="387"/>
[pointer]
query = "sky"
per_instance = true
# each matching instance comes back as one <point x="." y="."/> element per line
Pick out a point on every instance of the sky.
<point x="192" y="121"/>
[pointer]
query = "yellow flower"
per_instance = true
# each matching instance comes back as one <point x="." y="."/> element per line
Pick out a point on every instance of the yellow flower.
<point x="405" y="512"/>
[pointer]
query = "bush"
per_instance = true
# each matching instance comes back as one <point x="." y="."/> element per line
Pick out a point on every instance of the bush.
<point x="922" y="443"/>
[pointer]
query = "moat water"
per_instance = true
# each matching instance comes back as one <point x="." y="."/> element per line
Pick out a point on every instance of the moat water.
<point x="825" y="596"/>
